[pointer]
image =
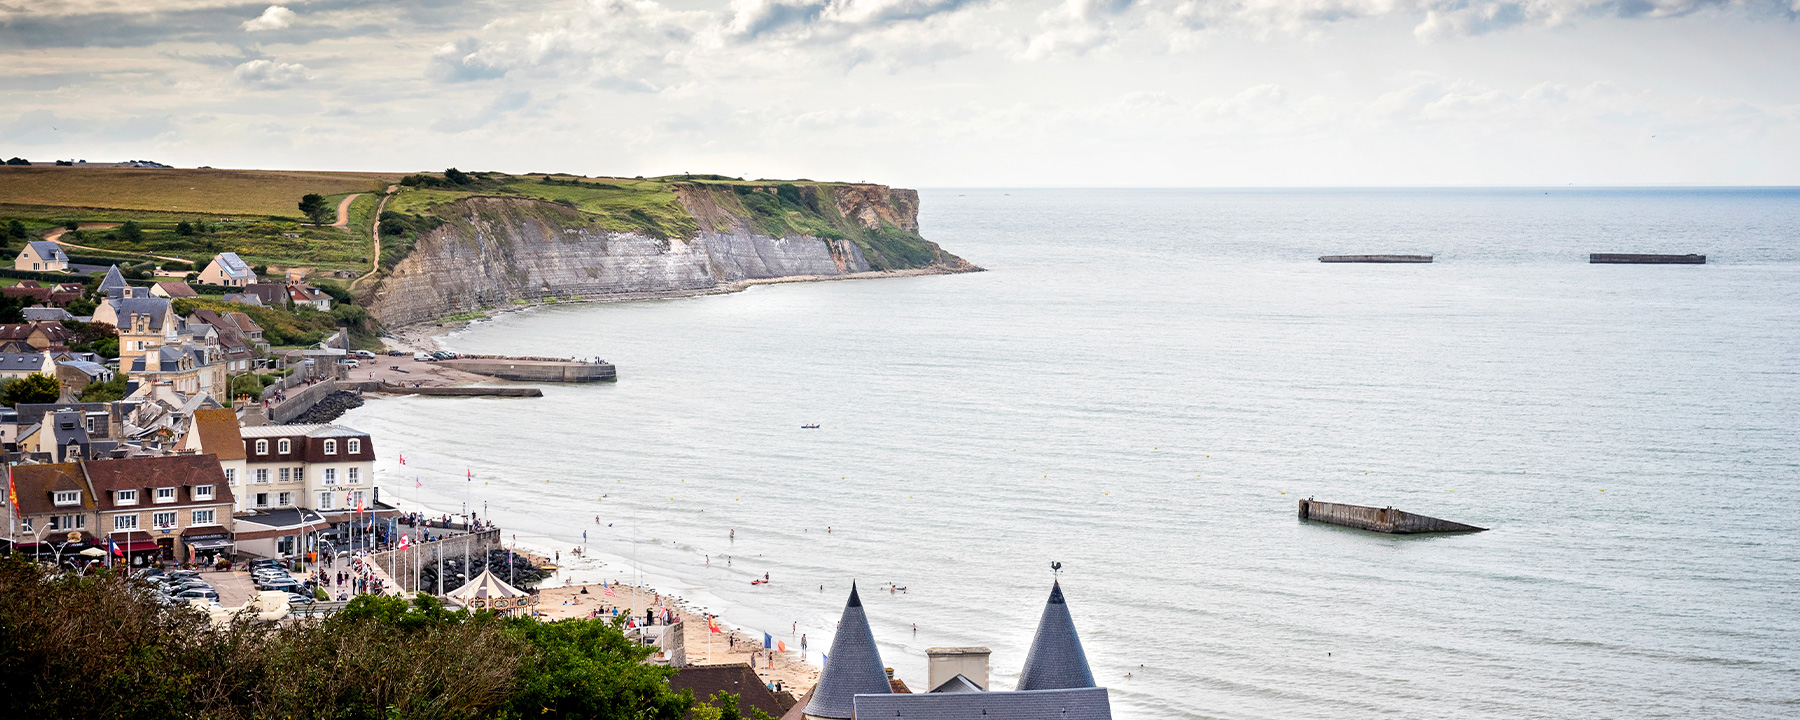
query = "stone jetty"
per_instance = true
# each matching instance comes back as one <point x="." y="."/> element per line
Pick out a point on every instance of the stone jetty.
<point x="1382" y="520"/>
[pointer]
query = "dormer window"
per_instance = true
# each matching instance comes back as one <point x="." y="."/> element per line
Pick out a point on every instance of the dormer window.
<point x="284" y="446"/>
<point x="262" y="447"/>
<point x="353" y="446"/>
<point x="330" y="447"/>
<point x="165" y="495"/>
<point x="67" y="497"/>
<point x="203" y="492"/>
<point x="125" y="497"/>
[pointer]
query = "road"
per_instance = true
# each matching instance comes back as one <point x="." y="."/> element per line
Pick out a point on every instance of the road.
<point x="343" y="221"/>
<point x="55" y="236"/>
<point x="374" y="233"/>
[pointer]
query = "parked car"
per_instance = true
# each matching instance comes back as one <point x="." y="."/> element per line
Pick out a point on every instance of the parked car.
<point x="176" y="587"/>
<point x="423" y="357"/>
<point x="444" y="355"/>
<point x="364" y="354"/>
<point x="395" y="353"/>
<point x="299" y="599"/>
<point x="266" y="563"/>
<point x="197" y="594"/>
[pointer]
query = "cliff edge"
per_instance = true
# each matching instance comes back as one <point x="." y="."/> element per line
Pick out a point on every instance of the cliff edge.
<point x="566" y="239"/>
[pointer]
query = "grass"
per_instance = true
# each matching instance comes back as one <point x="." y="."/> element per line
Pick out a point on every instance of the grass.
<point x="180" y="191"/>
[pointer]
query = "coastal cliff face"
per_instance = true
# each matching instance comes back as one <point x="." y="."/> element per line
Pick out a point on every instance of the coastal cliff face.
<point x="492" y="251"/>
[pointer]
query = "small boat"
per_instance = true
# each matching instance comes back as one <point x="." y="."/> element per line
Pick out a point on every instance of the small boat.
<point x="813" y="426"/>
<point x="759" y="582"/>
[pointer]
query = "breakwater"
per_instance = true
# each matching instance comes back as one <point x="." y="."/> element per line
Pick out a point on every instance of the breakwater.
<point x="1382" y="520"/>
<point x="1643" y="259"/>
<point x="1375" y="258"/>
<point x="535" y="369"/>
<point x="461" y="391"/>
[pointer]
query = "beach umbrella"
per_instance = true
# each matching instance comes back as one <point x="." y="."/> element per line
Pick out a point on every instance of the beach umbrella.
<point x="94" y="552"/>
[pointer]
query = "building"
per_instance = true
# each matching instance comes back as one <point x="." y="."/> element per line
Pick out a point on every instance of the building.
<point x="42" y="256"/>
<point x="114" y="285"/>
<point x="34" y="336"/>
<point x="41" y="313"/>
<point x="174" y="290"/>
<point x="176" y="507"/>
<point x="143" y="324"/>
<point x="188" y="368"/>
<point x="736" y="678"/>
<point x="326" y="468"/>
<point x="238" y="353"/>
<point x="229" y="270"/>
<point x="269" y="294"/>
<point x="77" y="375"/>
<point x="308" y="296"/>
<point x="1055" y="684"/>
<point x="18" y="365"/>
<point x="214" y="431"/>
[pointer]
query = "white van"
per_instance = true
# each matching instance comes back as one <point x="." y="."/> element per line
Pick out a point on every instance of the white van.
<point x="422" y="357"/>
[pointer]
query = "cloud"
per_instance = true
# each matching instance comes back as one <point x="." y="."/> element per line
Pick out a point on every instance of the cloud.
<point x="506" y="102"/>
<point x="274" y="18"/>
<point x="463" y="60"/>
<point x="264" y="74"/>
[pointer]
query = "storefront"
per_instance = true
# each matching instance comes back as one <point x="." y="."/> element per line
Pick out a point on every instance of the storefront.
<point x="136" y="548"/>
<point x="208" y="545"/>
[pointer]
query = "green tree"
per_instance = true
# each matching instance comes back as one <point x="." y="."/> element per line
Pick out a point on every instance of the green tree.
<point x="33" y="388"/>
<point x="130" y="231"/>
<point x="588" y="669"/>
<point x="457" y="177"/>
<point x="16" y="230"/>
<point x="184" y="228"/>
<point x="18" y="161"/>
<point x="313" y="205"/>
<point x="108" y="391"/>
<point x="71" y="226"/>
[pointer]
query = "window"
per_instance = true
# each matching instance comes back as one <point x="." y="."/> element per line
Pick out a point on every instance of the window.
<point x="330" y="476"/>
<point x="330" y="447"/>
<point x="68" y="497"/>
<point x="124" y="522"/>
<point x="162" y="520"/>
<point x="203" y="492"/>
<point x="359" y="498"/>
<point x="262" y="475"/>
<point x="284" y="474"/>
<point x="27" y="523"/>
<point x="231" y="475"/>
<point x="284" y="446"/>
<point x="353" y="446"/>
<point x="126" y="497"/>
<point x="203" y="517"/>
<point x="165" y="495"/>
<point x="262" y="499"/>
<point x="325" y="500"/>
<point x="354" y="475"/>
<point x="68" y="522"/>
<point x="262" y="447"/>
<point x="287" y="499"/>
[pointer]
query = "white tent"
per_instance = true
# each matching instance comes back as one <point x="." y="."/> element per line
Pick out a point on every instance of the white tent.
<point x="487" y="592"/>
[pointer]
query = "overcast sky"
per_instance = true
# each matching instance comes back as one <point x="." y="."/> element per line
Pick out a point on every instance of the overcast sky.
<point x="928" y="93"/>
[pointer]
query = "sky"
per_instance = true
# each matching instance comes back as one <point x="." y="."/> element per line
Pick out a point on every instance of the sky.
<point x="923" y="93"/>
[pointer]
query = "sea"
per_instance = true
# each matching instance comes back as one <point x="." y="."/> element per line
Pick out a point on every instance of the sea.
<point x="1141" y="387"/>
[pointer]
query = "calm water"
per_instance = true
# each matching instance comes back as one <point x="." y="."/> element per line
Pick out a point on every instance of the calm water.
<point x="1141" y="388"/>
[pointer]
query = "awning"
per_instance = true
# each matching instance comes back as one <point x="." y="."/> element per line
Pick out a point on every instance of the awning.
<point x="131" y="547"/>
<point x="211" y="544"/>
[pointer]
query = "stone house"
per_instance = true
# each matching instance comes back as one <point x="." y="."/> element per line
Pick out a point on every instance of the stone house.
<point x="173" y="507"/>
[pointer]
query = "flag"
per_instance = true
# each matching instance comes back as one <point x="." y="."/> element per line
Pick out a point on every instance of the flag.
<point x="417" y="483"/>
<point x="405" y="542"/>
<point x="768" y="642"/>
<point x="712" y="624"/>
<point x="610" y="592"/>
<point x="471" y="475"/>
<point x="12" y="491"/>
<point x="114" y="547"/>
<point x="402" y="458"/>
<point x="823" y="658"/>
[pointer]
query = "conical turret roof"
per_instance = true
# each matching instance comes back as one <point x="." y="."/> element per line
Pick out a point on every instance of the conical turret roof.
<point x="1056" y="660"/>
<point x="853" y="668"/>
<point x="114" y="280"/>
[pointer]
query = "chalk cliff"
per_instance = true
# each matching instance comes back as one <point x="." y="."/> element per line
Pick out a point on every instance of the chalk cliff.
<point x="493" y="250"/>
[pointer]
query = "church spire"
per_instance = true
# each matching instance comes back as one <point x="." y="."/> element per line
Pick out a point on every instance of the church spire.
<point x="853" y="667"/>
<point x="1056" y="660"/>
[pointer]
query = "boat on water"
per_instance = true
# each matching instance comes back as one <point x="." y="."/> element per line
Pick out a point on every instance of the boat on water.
<point x="813" y="426"/>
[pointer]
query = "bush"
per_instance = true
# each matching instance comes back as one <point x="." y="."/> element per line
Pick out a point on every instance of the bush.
<point x="108" y="391"/>
<point x="130" y="231"/>
<point x="33" y="388"/>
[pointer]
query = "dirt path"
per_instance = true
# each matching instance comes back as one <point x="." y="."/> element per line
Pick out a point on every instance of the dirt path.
<point x="55" y="236"/>
<point x="343" y="221"/>
<point x="374" y="235"/>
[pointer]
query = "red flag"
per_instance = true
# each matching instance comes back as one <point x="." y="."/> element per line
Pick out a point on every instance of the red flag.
<point x="403" y="459"/>
<point x="12" y="491"/>
<point x="712" y="624"/>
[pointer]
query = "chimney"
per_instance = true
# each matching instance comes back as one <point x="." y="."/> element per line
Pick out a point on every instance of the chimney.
<point x="948" y="662"/>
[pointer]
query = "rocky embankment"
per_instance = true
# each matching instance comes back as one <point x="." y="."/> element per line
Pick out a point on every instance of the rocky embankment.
<point x="493" y="251"/>
<point x="329" y="408"/>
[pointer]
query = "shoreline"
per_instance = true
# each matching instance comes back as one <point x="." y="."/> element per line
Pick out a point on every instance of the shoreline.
<point x="423" y="336"/>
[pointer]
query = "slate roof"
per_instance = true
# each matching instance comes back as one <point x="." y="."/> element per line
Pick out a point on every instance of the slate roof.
<point x="233" y="265"/>
<point x="46" y="313"/>
<point x="1056" y="660"/>
<point x="1066" y="704"/>
<point x="959" y="684"/>
<point x="317" y="430"/>
<point x="20" y="362"/>
<point x="854" y="667"/>
<point x="113" y="280"/>
<point x="49" y="250"/>
<point x="155" y="307"/>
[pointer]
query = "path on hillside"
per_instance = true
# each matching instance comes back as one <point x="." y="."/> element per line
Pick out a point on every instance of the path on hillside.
<point x="375" y="236"/>
<point x="343" y="221"/>
<point x="55" y="236"/>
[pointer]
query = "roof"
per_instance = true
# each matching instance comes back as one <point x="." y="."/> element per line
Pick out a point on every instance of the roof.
<point x="243" y="322"/>
<point x="278" y="520"/>
<point x="178" y="289"/>
<point x="1064" y="704"/>
<point x="154" y="307"/>
<point x="114" y="279"/>
<point x="854" y="666"/>
<point x="47" y="313"/>
<point x="92" y="369"/>
<point x="49" y="250"/>
<point x="1056" y="660"/>
<point x="21" y="361"/>
<point x="218" y="428"/>
<point x="232" y="265"/>
<point x="34" y="483"/>
<point x="487" y="591"/>
<point x="737" y="678"/>
<point x="959" y="684"/>
<point x="164" y="471"/>
<point x="315" y="430"/>
<point x="269" y="293"/>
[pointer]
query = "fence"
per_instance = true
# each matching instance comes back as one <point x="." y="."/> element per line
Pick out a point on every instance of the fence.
<point x="404" y="565"/>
